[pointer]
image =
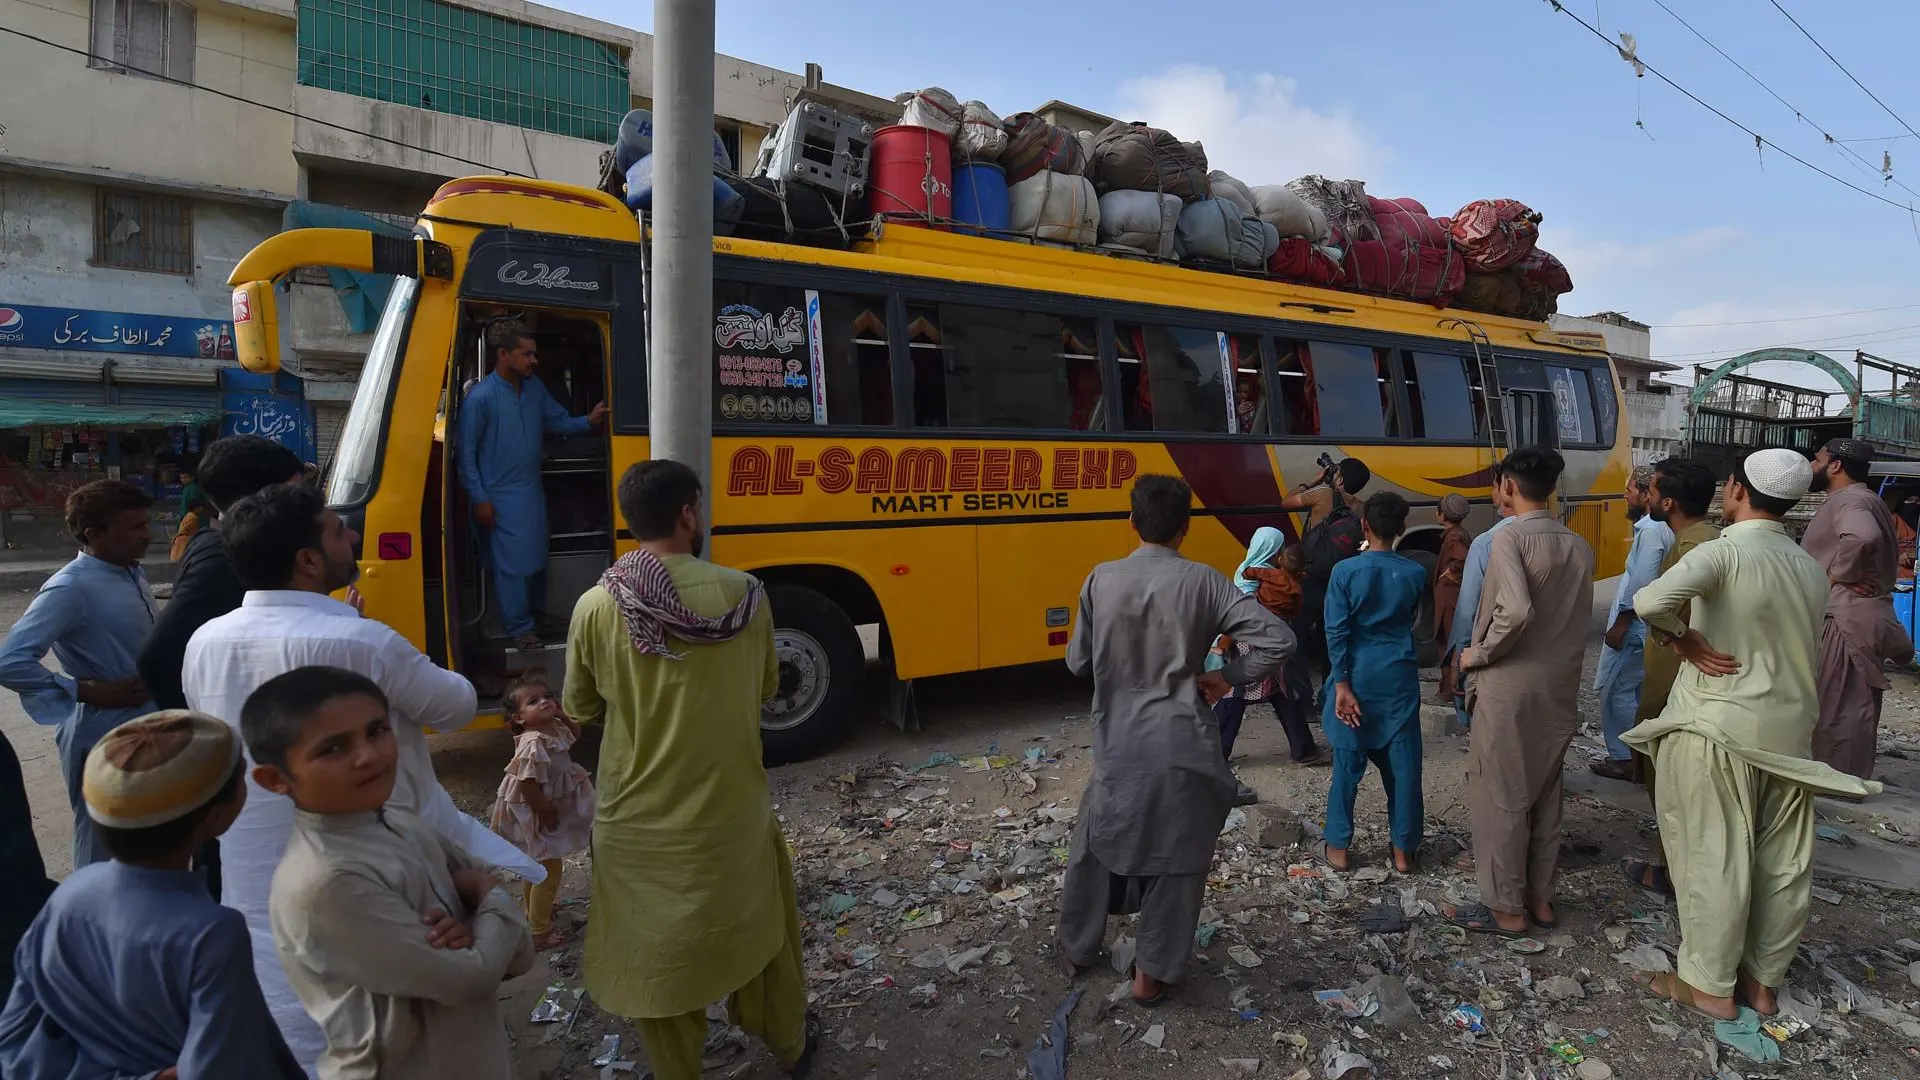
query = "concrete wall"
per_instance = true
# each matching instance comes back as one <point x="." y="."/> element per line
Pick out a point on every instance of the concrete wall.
<point x="46" y="244"/>
<point x="455" y="145"/>
<point x="58" y="110"/>
<point x="1621" y="340"/>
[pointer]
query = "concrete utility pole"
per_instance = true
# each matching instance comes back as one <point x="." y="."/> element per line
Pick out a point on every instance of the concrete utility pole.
<point x="680" y="415"/>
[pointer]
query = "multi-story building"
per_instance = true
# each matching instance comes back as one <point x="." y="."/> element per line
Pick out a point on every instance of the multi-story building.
<point x="145" y="145"/>
<point x="1656" y="408"/>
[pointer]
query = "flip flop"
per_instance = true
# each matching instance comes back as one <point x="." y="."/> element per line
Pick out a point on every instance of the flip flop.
<point x="1637" y="873"/>
<point x="1675" y="991"/>
<point x="1543" y="925"/>
<point x="1153" y="1002"/>
<point x="1319" y="853"/>
<point x="1477" y="919"/>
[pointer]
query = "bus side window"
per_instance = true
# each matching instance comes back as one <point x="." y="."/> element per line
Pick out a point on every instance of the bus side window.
<point x="1573" y="404"/>
<point x="1440" y="402"/>
<point x="1299" y="414"/>
<point x="1179" y="377"/>
<point x="1000" y="368"/>
<point x="1347" y="387"/>
<point x="763" y="356"/>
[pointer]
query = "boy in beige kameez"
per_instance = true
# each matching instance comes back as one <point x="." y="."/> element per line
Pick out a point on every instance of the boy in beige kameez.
<point x="1735" y="781"/>
<point x="1529" y="639"/>
<point x="395" y="941"/>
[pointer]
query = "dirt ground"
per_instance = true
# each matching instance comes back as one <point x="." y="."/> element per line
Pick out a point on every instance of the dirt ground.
<point x="929" y="866"/>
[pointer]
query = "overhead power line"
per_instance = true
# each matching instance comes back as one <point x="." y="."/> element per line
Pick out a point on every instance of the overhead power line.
<point x="1884" y="169"/>
<point x="1794" y="318"/>
<point x="1759" y="140"/>
<point x="281" y="109"/>
<point x="1843" y="68"/>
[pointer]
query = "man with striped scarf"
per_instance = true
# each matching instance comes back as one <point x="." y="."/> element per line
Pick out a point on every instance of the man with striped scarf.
<point x="693" y="895"/>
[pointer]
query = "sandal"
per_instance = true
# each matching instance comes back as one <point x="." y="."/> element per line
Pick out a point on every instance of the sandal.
<point x="1542" y="924"/>
<point x="1478" y="919"/>
<point x="1662" y="881"/>
<point x="1676" y="991"/>
<point x="1153" y="1002"/>
<point x="1319" y="853"/>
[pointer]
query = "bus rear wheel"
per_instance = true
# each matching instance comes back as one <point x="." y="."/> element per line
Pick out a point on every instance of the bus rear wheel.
<point x="822" y="665"/>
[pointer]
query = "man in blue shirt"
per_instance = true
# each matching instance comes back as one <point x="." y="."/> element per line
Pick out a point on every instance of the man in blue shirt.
<point x="93" y="614"/>
<point x="1623" y="659"/>
<point x="1468" y="606"/>
<point x="503" y="423"/>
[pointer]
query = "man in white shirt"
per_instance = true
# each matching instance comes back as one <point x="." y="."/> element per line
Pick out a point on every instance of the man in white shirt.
<point x="291" y="552"/>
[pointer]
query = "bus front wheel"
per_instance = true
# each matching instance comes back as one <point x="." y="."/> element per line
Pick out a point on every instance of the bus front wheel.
<point x="822" y="665"/>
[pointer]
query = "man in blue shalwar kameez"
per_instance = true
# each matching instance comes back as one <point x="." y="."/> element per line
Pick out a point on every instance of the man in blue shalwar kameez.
<point x="503" y="424"/>
<point x="1373" y="714"/>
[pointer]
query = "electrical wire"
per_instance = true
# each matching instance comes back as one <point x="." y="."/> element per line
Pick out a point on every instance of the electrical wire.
<point x="1901" y="333"/>
<point x="1759" y="140"/>
<point x="1843" y="68"/>
<point x="492" y="168"/>
<point x="1799" y="114"/>
<point x="1795" y="318"/>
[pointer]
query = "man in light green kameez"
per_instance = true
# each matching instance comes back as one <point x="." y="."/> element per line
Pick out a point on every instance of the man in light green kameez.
<point x="1735" y="778"/>
<point x="693" y="896"/>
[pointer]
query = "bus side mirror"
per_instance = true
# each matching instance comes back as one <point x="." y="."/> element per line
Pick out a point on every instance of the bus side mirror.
<point x="256" y="327"/>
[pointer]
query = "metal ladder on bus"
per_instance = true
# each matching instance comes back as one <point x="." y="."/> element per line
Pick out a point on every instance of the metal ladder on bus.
<point x="1491" y="391"/>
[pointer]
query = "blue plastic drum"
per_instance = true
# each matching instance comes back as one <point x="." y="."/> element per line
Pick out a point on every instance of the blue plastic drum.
<point x="980" y="199"/>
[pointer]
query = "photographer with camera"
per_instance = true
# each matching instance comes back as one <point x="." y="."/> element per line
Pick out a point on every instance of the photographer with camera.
<point x="1333" y="533"/>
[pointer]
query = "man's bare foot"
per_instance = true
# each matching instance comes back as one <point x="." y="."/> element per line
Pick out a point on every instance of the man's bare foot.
<point x="1336" y="857"/>
<point x="1543" y="916"/>
<point x="552" y="939"/>
<point x="1672" y="987"/>
<point x="1750" y="992"/>
<point x="1147" y="990"/>
<point x="1404" y="862"/>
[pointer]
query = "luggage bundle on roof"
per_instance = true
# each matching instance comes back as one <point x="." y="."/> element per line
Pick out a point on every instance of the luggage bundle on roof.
<point x="1131" y="189"/>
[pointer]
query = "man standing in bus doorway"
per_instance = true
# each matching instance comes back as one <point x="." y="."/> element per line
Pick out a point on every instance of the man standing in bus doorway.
<point x="693" y="891"/>
<point x="1333" y="533"/>
<point x="1853" y="539"/>
<point x="1151" y="813"/>
<point x="503" y="425"/>
<point x="1623" y="665"/>
<point x="1528" y="643"/>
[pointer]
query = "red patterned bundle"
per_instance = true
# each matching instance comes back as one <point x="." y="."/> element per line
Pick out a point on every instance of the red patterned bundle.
<point x="1493" y="234"/>
<point x="1304" y="260"/>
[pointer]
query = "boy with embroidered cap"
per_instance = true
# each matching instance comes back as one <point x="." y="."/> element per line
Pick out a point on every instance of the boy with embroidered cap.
<point x="132" y="970"/>
<point x="395" y="940"/>
<point x="1734" y="775"/>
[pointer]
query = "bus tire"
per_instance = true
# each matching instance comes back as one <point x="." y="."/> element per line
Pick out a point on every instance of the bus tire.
<point x="822" y="667"/>
<point x="1425" y="646"/>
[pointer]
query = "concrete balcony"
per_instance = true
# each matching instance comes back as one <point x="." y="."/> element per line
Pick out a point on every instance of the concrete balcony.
<point x="327" y="132"/>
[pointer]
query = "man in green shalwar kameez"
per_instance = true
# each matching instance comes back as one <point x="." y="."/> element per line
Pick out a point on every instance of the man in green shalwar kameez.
<point x="693" y="895"/>
<point x="1734" y="778"/>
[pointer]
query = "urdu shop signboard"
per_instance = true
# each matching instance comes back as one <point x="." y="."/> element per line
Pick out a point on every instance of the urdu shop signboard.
<point x="24" y="326"/>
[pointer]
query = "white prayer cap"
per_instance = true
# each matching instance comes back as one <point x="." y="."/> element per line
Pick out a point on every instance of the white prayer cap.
<point x="1779" y="473"/>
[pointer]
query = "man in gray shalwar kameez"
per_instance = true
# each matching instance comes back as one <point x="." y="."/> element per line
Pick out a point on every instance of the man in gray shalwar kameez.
<point x="1160" y="791"/>
<point x="1853" y="539"/>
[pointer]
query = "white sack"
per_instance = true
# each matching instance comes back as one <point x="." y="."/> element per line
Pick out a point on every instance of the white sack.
<point x="1055" y="206"/>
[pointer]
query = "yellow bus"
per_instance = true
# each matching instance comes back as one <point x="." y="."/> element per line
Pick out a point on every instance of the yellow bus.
<point x="927" y="435"/>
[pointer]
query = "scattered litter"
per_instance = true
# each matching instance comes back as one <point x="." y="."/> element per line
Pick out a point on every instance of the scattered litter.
<point x="1048" y="1058"/>
<point x="1616" y="935"/>
<point x="1594" y="1069"/>
<point x="921" y="918"/>
<point x="885" y="898"/>
<point x="924" y="996"/>
<point x="1155" y="1036"/>
<point x="862" y="955"/>
<point x="1827" y="895"/>
<point x="1204" y="933"/>
<point x="1243" y="1065"/>
<point x="1385" y="917"/>
<point x="961" y="961"/>
<point x="1392" y="1006"/>
<point x="857" y="861"/>
<point x="1563" y="988"/>
<point x="557" y="1004"/>
<point x="1743" y="1034"/>
<point x="1783" y="1028"/>
<point x="1468" y="1018"/>
<point x="936" y="957"/>
<point x="1013" y="895"/>
<point x="1122" y="954"/>
<point x="1349" y="1007"/>
<point x="838" y="904"/>
<point x="1566" y="1051"/>
<point x="609" y="1051"/>
<point x="875" y="1042"/>
<point x="1339" y="1063"/>
<point x="938" y="759"/>
<point x="1244" y="956"/>
<point x="617" y="1067"/>
<point x="1371" y="875"/>
<point x="1236" y="818"/>
<point x="1526" y="946"/>
<point x="1833" y="836"/>
<point x="1648" y="958"/>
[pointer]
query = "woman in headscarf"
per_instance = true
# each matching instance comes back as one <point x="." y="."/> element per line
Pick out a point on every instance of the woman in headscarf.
<point x="1288" y="691"/>
<point x="1373" y="713"/>
<point x="1449" y="570"/>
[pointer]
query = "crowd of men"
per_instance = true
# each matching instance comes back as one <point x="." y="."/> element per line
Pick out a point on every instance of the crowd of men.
<point x="353" y="923"/>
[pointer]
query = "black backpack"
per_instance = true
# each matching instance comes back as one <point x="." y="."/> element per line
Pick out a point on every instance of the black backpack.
<point x="1335" y="537"/>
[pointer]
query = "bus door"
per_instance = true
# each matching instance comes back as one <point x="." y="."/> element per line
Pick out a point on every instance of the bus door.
<point x="575" y="486"/>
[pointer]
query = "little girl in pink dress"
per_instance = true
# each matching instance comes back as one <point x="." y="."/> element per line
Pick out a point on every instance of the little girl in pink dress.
<point x="545" y="804"/>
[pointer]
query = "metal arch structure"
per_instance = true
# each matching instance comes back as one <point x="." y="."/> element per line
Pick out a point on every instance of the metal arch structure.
<point x="1849" y="385"/>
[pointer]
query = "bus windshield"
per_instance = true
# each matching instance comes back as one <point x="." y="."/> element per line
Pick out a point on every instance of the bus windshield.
<point x="356" y="462"/>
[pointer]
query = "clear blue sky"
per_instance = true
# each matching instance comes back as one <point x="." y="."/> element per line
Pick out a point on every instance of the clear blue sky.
<point x="1679" y="223"/>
